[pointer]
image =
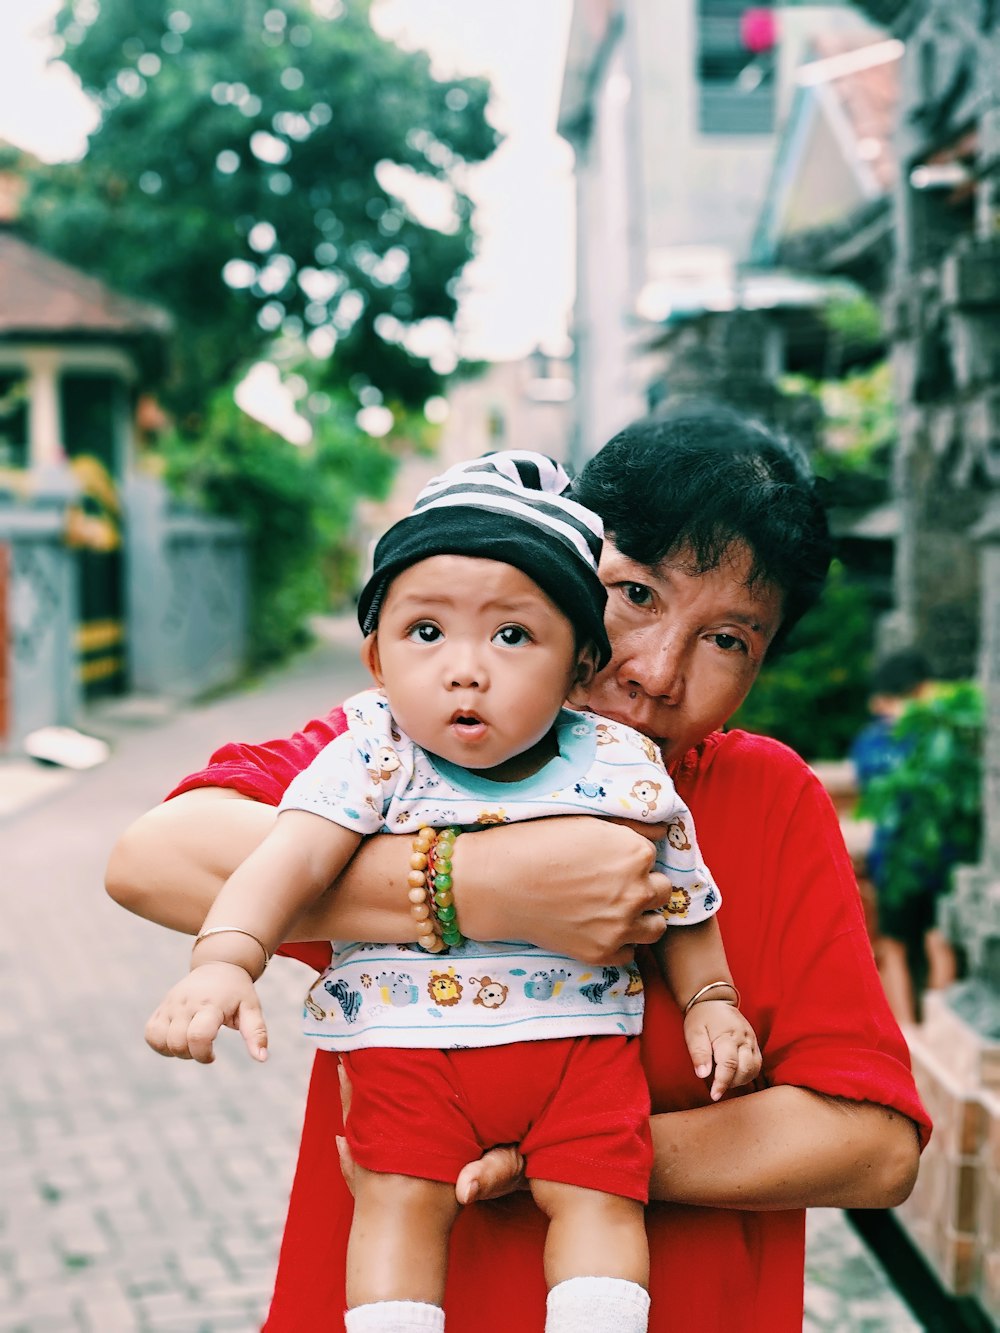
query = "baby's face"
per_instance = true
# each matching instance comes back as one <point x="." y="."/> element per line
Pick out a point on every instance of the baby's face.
<point x="476" y="661"/>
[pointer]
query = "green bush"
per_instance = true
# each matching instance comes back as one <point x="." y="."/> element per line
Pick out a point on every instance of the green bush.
<point x="930" y="805"/>
<point x="814" y="695"/>
<point x="296" y="504"/>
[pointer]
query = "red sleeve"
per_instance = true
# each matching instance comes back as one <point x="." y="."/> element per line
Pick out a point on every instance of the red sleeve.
<point x="262" y="772"/>
<point x="794" y="928"/>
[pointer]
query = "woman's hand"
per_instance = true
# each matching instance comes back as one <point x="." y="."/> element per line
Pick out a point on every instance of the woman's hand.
<point x="578" y="885"/>
<point x="343" y="1151"/>
<point x="498" y="1172"/>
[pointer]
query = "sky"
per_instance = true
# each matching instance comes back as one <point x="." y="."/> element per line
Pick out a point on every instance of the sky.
<point x="520" y="286"/>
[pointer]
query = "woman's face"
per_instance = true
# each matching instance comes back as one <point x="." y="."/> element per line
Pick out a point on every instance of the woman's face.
<point x="685" y="647"/>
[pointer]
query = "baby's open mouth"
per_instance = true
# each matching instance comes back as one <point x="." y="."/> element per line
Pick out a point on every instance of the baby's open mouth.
<point x="468" y="724"/>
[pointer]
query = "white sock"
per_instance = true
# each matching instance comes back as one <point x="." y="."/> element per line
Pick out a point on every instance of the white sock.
<point x="395" y="1317"/>
<point x="597" y="1305"/>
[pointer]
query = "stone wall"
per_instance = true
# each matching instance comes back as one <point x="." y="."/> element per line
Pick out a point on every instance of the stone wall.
<point x="953" y="1214"/>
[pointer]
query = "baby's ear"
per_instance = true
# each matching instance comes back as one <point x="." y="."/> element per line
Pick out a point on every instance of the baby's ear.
<point x="583" y="675"/>
<point x="370" y="657"/>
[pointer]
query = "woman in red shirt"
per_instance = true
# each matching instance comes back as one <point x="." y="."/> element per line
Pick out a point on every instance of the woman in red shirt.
<point x="726" y="551"/>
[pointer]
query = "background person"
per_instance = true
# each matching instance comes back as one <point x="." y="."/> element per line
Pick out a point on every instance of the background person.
<point x="716" y="545"/>
<point x="910" y="948"/>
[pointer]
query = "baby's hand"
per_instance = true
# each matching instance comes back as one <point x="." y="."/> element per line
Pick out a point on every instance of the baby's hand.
<point x="188" y="1018"/>
<point x="717" y="1034"/>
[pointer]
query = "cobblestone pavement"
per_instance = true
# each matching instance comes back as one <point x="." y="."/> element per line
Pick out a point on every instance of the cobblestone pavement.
<point x="142" y="1195"/>
<point x="846" y="1289"/>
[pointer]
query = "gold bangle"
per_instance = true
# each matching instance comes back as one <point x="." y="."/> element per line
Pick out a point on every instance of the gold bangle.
<point x="234" y="930"/>
<point x="712" y="985"/>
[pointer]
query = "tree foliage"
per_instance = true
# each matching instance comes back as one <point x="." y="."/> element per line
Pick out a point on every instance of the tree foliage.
<point x="859" y="410"/>
<point x="296" y="506"/>
<point x="270" y="141"/>
<point x="814" y="695"/>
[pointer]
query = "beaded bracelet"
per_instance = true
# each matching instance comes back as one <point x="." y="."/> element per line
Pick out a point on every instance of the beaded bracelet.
<point x="442" y="899"/>
<point x="432" y="902"/>
<point x="427" y="936"/>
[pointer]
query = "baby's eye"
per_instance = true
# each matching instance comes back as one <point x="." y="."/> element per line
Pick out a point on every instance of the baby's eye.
<point x="512" y="636"/>
<point x="424" y="632"/>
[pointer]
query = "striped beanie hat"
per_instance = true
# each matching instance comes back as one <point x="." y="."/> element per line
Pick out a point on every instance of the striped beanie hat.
<point x="512" y="507"/>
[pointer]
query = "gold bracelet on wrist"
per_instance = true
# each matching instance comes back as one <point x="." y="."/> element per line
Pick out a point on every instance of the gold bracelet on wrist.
<point x="702" y="994"/>
<point x="235" y="930"/>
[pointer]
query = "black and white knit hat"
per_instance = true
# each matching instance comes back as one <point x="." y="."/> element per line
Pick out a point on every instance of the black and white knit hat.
<point x="512" y="507"/>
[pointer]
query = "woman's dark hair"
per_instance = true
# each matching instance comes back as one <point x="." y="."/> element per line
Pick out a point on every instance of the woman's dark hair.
<point x="701" y="477"/>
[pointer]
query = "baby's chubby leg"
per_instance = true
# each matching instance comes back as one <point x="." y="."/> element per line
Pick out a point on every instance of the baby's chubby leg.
<point x="596" y="1260"/>
<point x="398" y="1252"/>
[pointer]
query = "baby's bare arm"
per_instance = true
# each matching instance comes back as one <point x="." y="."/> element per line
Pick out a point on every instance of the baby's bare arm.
<point x="694" y="965"/>
<point x="250" y="917"/>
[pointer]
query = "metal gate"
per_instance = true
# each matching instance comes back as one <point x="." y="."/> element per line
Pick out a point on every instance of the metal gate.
<point x="91" y="410"/>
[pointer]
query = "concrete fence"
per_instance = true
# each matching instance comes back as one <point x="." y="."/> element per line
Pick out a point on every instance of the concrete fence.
<point x="41" y="684"/>
<point x="186" y="597"/>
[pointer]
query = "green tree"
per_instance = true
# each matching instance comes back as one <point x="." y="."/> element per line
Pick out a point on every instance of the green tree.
<point x="295" y="504"/>
<point x="814" y="695"/>
<point x="249" y="173"/>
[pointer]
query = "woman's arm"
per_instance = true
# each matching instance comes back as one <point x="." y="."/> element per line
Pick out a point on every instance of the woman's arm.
<point x="784" y="1147"/>
<point x="779" y="1148"/>
<point x="170" y="865"/>
<point x="591" y="880"/>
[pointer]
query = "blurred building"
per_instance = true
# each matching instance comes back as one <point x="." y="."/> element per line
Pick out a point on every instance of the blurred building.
<point x="829" y="212"/>
<point x="672" y="111"/>
<point x="943" y="327"/>
<point x="828" y="207"/>
<point x="101" y="588"/>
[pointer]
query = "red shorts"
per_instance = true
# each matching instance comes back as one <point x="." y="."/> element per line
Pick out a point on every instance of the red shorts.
<point x="577" y="1106"/>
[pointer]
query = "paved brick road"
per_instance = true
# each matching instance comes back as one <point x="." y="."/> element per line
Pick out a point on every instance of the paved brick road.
<point x="137" y="1193"/>
<point x="142" y="1195"/>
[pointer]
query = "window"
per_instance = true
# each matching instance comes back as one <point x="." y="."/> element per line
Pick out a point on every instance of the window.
<point x="89" y="404"/>
<point x="736" y="62"/>
<point x="13" y="418"/>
